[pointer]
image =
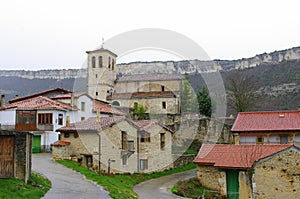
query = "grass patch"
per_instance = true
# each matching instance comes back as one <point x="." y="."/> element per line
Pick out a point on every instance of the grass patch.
<point x="192" y="188"/>
<point x="120" y="186"/>
<point x="35" y="188"/>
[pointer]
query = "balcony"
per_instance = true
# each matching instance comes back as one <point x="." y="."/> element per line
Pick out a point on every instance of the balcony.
<point x="45" y="127"/>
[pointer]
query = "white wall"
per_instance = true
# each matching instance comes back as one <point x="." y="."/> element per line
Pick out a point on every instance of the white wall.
<point x="8" y="117"/>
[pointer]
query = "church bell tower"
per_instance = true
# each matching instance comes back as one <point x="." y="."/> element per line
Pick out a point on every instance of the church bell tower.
<point x="101" y="73"/>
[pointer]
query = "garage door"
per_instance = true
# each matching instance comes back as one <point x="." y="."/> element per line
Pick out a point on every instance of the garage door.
<point x="7" y="156"/>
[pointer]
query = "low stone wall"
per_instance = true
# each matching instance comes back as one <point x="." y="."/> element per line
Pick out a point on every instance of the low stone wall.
<point x="182" y="160"/>
<point x="61" y="152"/>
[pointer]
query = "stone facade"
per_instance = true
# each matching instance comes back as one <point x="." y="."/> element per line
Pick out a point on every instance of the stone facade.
<point x="278" y="176"/>
<point x="86" y="143"/>
<point x="275" y="176"/>
<point x="22" y="153"/>
<point x="212" y="178"/>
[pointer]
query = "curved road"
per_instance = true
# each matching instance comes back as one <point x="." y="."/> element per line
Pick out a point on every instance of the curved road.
<point x="66" y="183"/>
<point x="161" y="187"/>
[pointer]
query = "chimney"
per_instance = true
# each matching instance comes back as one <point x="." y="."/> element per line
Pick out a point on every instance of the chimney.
<point x="2" y="101"/>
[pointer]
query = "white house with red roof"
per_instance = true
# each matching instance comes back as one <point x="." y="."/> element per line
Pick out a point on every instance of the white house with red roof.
<point x="120" y="144"/>
<point x="250" y="171"/>
<point x="44" y="112"/>
<point x="270" y="127"/>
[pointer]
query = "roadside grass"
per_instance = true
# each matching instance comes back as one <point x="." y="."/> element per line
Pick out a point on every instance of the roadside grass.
<point x="35" y="188"/>
<point x="120" y="186"/>
<point x="192" y="188"/>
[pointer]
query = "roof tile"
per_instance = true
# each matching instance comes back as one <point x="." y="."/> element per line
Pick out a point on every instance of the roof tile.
<point x="267" y="121"/>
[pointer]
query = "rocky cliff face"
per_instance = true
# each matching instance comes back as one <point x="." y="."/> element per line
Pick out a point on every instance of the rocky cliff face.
<point x="182" y="67"/>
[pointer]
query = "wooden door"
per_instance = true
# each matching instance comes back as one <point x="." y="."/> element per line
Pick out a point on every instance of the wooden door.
<point x="7" y="144"/>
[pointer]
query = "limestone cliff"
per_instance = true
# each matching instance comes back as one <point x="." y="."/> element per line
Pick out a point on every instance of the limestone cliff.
<point x="167" y="66"/>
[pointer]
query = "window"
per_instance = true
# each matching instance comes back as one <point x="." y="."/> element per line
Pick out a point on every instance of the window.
<point x="283" y="139"/>
<point x="164" y="105"/>
<point x="124" y="140"/>
<point x="82" y="106"/>
<point x="108" y="62"/>
<point x="96" y="93"/>
<point x="93" y="62"/>
<point x="259" y="140"/>
<point x="113" y="64"/>
<point x="45" y="118"/>
<point x="60" y="119"/>
<point x="162" y="141"/>
<point x="143" y="164"/>
<point x="124" y="160"/>
<point x="162" y="88"/>
<point x="26" y="117"/>
<point x="145" y="137"/>
<point x="100" y="61"/>
<point x="96" y="76"/>
<point x="82" y="118"/>
<point x="66" y="135"/>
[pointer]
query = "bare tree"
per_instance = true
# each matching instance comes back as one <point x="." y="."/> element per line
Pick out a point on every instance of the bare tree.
<point x="241" y="91"/>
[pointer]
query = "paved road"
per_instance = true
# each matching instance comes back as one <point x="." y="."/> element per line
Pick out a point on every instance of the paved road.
<point x="160" y="188"/>
<point x="66" y="183"/>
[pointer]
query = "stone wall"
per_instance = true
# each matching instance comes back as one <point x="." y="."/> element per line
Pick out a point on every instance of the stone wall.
<point x="182" y="160"/>
<point x="212" y="178"/>
<point x="61" y="152"/>
<point x="278" y="176"/>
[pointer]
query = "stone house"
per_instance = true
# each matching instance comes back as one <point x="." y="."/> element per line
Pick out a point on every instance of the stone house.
<point x="250" y="171"/>
<point x="15" y="154"/>
<point x="117" y="144"/>
<point x="274" y="127"/>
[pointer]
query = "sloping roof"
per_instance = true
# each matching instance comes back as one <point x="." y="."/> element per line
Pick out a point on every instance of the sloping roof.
<point x="152" y="94"/>
<point x="68" y="95"/>
<point x="143" y="125"/>
<point x="235" y="156"/>
<point x="149" y="77"/>
<point x="42" y="93"/>
<point x="91" y="124"/>
<point x="105" y="108"/>
<point x="39" y="103"/>
<point x="61" y="143"/>
<point x="267" y="121"/>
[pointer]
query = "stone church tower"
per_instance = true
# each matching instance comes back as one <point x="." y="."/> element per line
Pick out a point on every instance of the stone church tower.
<point x="101" y="73"/>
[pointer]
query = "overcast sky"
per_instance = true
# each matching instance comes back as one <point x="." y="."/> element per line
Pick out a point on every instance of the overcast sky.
<point x="54" y="34"/>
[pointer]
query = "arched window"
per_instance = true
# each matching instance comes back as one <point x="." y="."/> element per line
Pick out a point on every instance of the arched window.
<point x="115" y="103"/>
<point x="113" y="64"/>
<point x="108" y="62"/>
<point x="93" y="62"/>
<point x="100" y="61"/>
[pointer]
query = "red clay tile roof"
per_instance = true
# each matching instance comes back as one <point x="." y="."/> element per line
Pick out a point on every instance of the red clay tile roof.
<point x="152" y="94"/>
<point x="39" y="103"/>
<point x="145" y="124"/>
<point x="267" y="121"/>
<point x="61" y="143"/>
<point x="150" y="77"/>
<point x="91" y="124"/>
<point x="67" y="95"/>
<point x="40" y="94"/>
<point x="105" y="108"/>
<point x="235" y="156"/>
